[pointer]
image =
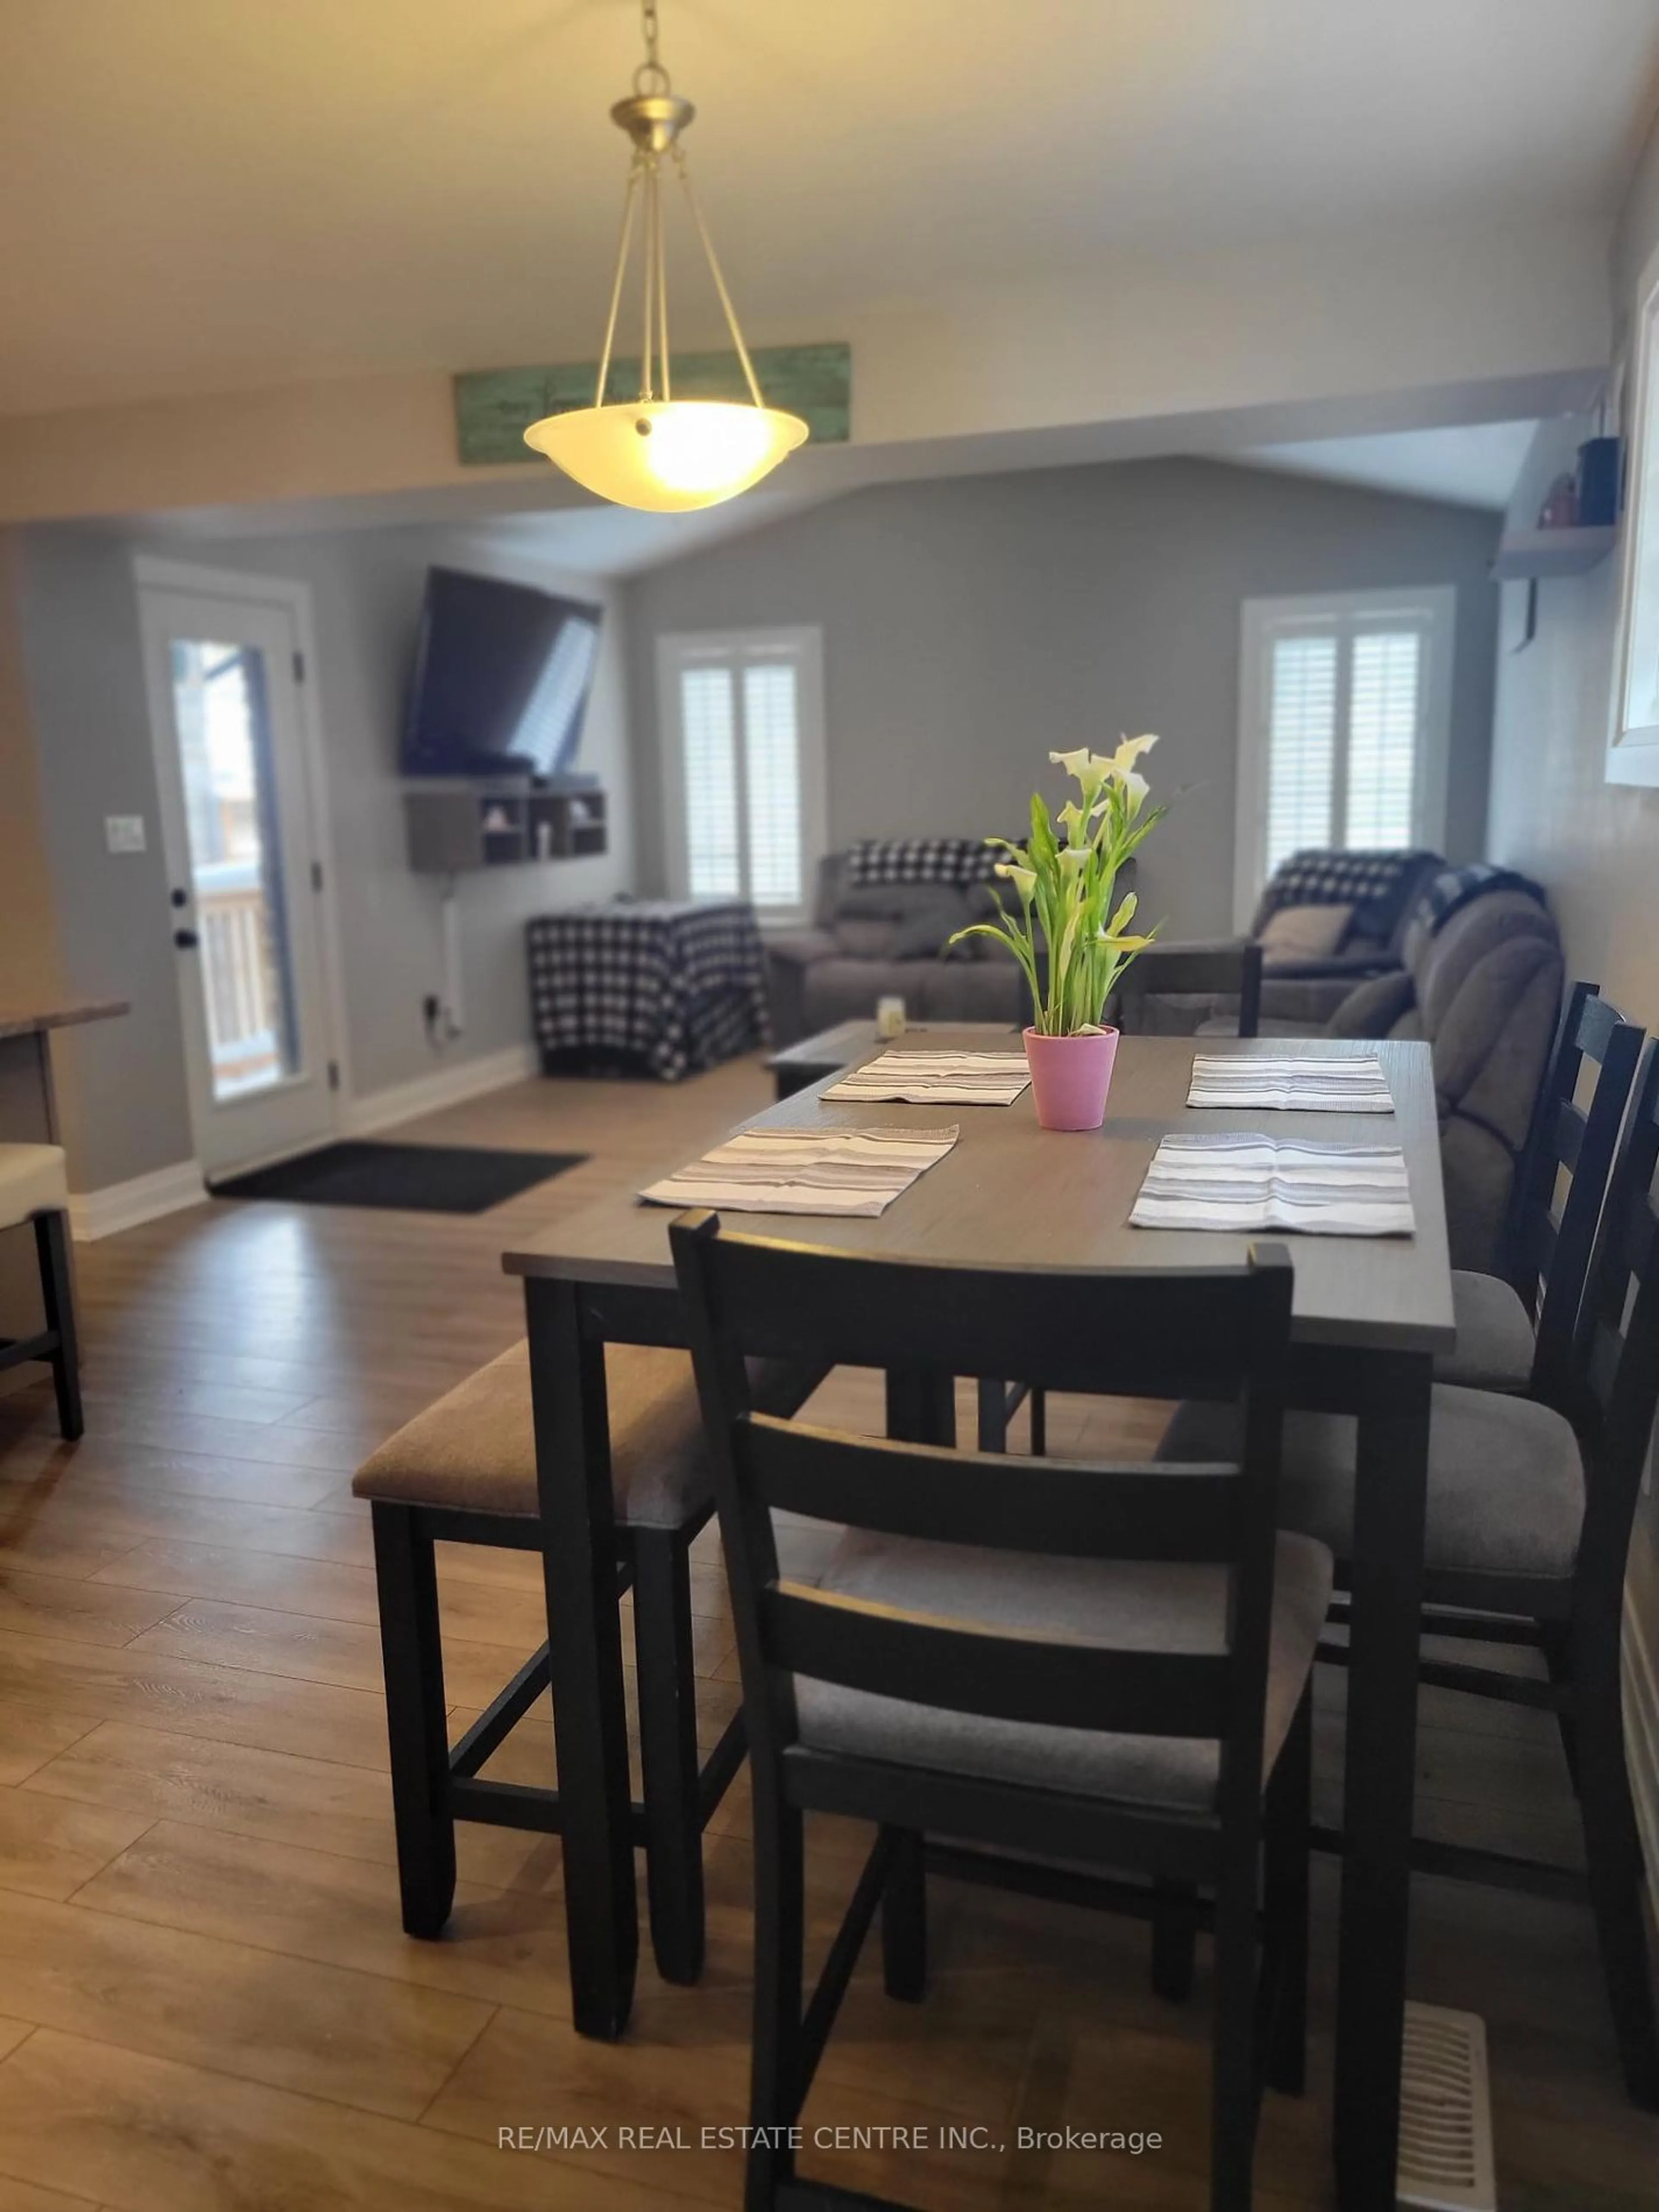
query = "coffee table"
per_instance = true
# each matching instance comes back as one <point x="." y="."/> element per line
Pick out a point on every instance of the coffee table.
<point x="800" y="1065"/>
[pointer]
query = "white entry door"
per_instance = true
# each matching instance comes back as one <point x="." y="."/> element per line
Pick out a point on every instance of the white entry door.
<point x="245" y="878"/>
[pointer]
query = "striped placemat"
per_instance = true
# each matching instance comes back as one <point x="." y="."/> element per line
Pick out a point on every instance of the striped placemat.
<point x="1246" y="1182"/>
<point x="848" y="1171"/>
<point x="1325" y="1083"/>
<point x="937" y="1078"/>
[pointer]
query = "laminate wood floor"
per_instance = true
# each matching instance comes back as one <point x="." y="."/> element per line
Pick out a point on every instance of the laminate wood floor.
<point x="206" y="2001"/>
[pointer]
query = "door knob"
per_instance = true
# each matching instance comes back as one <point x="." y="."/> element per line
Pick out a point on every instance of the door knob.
<point x="185" y="939"/>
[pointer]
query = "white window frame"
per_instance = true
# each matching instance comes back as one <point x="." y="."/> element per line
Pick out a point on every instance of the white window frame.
<point x="1633" y="734"/>
<point x="1432" y="605"/>
<point x="678" y="650"/>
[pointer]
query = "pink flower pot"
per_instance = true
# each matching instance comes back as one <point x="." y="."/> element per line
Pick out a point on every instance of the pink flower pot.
<point x="1070" y="1077"/>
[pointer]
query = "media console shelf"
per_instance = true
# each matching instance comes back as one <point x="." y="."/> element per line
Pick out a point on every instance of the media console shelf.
<point x="452" y="829"/>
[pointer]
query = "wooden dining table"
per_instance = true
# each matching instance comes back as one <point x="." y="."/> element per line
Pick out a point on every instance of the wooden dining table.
<point x="1369" y="1315"/>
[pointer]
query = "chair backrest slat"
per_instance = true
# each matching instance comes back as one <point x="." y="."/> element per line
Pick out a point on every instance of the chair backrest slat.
<point x="1004" y="1675"/>
<point x="1570" y="1124"/>
<point x="1161" y="1512"/>
<point x="1550" y="1245"/>
<point x="1175" y="1669"/>
<point x="1077" y="1331"/>
<point x="1596" y="1024"/>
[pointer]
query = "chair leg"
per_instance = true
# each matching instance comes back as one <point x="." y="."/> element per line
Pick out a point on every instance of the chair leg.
<point x="416" y="1719"/>
<point x="1613" y="1856"/>
<point x="1233" y="2047"/>
<point x="669" y="1762"/>
<point x="775" y="2059"/>
<point x="58" y="1296"/>
<point x="904" y="1922"/>
<point x="993" y="1424"/>
<point x="1036" y="1406"/>
<point x="1175" y="1939"/>
<point x="1287" y="1848"/>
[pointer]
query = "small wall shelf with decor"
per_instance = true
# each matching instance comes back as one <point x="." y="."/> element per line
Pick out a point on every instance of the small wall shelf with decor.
<point x="450" y="828"/>
<point x="1561" y="552"/>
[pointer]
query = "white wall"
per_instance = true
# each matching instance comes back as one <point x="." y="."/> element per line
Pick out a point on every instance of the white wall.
<point x="127" y="1112"/>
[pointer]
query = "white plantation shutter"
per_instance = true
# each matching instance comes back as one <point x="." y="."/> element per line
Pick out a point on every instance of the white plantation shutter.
<point x="1384" y="706"/>
<point x="741" y="720"/>
<point x="1344" y="716"/>
<point x="771" y="750"/>
<point x="1301" y="744"/>
<point x="711" y="782"/>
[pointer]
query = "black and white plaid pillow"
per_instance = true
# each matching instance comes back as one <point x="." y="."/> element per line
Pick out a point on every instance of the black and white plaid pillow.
<point x="1375" y="884"/>
<point x="957" y="860"/>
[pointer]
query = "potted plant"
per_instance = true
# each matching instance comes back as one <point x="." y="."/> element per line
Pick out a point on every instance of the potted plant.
<point x="1066" y="935"/>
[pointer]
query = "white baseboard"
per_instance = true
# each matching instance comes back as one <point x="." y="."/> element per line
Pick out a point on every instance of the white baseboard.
<point x="1642" y="1737"/>
<point x="445" y="1086"/>
<point x="94" y="1213"/>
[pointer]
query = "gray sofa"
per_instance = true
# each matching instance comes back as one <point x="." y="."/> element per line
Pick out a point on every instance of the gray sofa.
<point x="1383" y="888"/>
<point x="1482" y="984"/>
<point x="886" y="940"/>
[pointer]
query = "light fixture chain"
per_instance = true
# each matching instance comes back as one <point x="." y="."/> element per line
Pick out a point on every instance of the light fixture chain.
<point x="650" y="75"/>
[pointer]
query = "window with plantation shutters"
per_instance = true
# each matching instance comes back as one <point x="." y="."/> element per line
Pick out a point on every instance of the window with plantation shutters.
<point x="1344" y="702"/>
<point x="742" y="724"/>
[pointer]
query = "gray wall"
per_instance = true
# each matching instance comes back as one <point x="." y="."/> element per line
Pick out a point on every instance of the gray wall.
<point x="972" y="626"/>
<point x="128" y="1107"/>
<point x="1594" y="845"/>
<point x="124" y="1107"/>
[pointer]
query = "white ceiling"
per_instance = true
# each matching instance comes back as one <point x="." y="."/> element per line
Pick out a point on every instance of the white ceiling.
<point x="1473" y="464"/>
<point x="204" y="195"/>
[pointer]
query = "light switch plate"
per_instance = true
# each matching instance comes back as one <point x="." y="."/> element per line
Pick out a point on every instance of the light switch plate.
<point x="124" y="833"/>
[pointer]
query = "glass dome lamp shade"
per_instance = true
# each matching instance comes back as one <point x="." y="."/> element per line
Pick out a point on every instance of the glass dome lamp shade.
<point x="659" y="454"/>
<point x="668" y="456"/>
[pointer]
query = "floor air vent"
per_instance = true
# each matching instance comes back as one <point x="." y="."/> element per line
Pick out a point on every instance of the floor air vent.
<point x="1445" y="2114"/>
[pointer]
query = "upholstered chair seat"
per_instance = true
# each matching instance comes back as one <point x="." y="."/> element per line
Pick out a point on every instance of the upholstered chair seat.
<point x="33" y="1179"/>
<point x="1506" y="1483"/>
<point x="474" y="1451"/>
<point x="1495" y="1342"/>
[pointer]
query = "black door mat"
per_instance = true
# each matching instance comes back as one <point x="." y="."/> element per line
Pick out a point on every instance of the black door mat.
<point x="410" y="1178"/>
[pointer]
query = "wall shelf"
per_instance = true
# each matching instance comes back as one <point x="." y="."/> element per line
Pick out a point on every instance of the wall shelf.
<point x="452" y="827"/>
<point x="1551" y="552"/>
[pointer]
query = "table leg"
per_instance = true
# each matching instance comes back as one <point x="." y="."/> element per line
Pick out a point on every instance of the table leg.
<point x="921" y="1407"/>
<point x="578" y="1569"/>
<point x="1387" y="1570"/>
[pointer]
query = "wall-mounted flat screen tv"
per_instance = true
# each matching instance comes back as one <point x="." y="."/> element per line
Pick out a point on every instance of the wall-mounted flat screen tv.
<point x="502" y="673"/>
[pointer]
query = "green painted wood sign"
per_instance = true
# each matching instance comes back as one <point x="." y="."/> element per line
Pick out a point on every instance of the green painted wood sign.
<point x="494" y="407"/>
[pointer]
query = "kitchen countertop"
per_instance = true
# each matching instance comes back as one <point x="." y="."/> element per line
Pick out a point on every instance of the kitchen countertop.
<point x="24" y="1020"/>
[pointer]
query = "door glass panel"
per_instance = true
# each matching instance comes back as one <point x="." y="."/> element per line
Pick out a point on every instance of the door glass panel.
<point x="222" y="720"/>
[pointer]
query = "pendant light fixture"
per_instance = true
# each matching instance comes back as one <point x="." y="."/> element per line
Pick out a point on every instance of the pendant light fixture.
<point x="659" y="452"/>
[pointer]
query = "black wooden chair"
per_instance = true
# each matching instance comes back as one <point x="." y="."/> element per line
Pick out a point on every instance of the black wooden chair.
<point x="35" y="1190"/>
<point x="1232" y="970"/>
<point x="1529" y="1521"/>
<point x="1097" y="1664"/>
<point x="1514" y="1332"/>
<point x="464" y="1472"/>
